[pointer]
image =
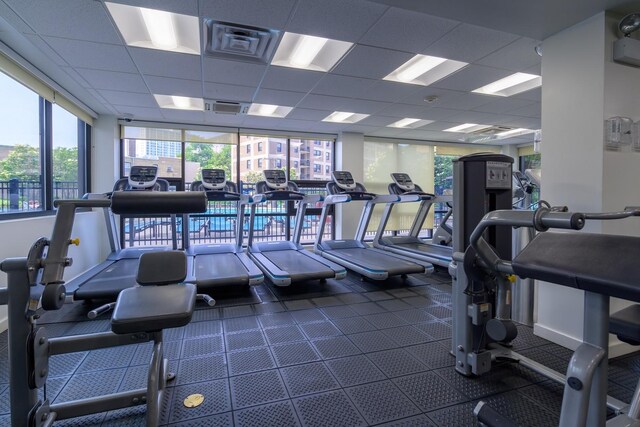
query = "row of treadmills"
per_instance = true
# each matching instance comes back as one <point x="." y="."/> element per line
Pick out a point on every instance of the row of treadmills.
<point x="211" y="266"/>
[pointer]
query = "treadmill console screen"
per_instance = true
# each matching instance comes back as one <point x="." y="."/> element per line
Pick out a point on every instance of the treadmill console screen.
<point x="142" y="177"/>
<point x="275" y="179"/>
<point x="403" y="181"/>
<point x="344" y="180"/>
<point x="213" y="179"/>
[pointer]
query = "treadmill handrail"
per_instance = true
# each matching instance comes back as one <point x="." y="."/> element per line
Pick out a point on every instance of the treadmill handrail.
<point x="222" y="196"/>
<point x="281" y="195"/>
<point x="385" y="198"/>
<point x="313" y="198"/>
<point x="337" y="198"/>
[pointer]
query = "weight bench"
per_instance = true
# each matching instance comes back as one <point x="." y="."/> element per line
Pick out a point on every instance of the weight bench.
<point x="593" y="263"/>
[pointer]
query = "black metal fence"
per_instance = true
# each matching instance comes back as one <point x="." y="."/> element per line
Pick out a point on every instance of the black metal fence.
<point x="26" y="196"/>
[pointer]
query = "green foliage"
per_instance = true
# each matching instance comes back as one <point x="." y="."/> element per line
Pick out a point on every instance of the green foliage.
<point x="23" y="163"/>
<point x="65" y="164"/>
<point x="443" y="172"/>
<point x="209" y="158"/>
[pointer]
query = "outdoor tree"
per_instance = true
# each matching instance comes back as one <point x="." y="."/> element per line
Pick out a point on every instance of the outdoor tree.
<point x="65" y="164"/>
<point x="208" y="157"/>
<point x="23" y="163"/>
<point x="442" y="172"/>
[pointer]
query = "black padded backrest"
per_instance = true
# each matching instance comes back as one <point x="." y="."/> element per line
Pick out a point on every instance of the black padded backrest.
<point x="162" y="268"/>
<point x="599" y="263"/>
<point x="262" y="187"/>
<point x="332" y="188"/>
<point x="231" y="187"/>
<point x="158" y="202"/>
<point x="123" y="185"/>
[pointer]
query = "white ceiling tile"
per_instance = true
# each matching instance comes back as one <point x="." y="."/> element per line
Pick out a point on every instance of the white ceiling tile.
<point x="323" y="102"/>
<point x="72" y="19"/>
<point x="170" y="86"/>
<point x="46" y="49"/>
<point x="308" y="114"/>
<point x="128" y="99"/>
<point x="185" y="7"/>
<point x="407" y="31"/>
<point x="417" y="112"/>
<point x="272" y="14"/>
<point x="531" y="110"/>
<point x="278" y="97"/>
<point x="167" y="64"/>
<point x="475" y="117"/>
<point x="387" y="91"/>
<point x="126" y="82"/>
<point x="362" y="105"/>
<point x="471" y="77"/>
<point x="536" y="69"/>
<point x="335" y="19"/>
<point x="517" y="56"/>
<point x="425" y="135"/>
<point x="75" y="76"/>
<point x="336" y="85"/>
<point x="139" y="113"/>
<point x="232" y="72"/>
<point x="532" y="95"/>
<point x="13" y="20"/>
<point x="446" y="98"/>
<point x="283" y="78"/>
<point x="222" y="92"/>
<point x="469" y="43"/>
<point x="223" y="119"/>
<point x="370" y="62"/>
<point x="183" y="116"/>
<point x="378" y="121"/>
<point x="361" y="128"/>
<point x="99" y="56"/>
<point x="504" y="105"/>
<point x="439" y="126"/>
<point x="386" y="132"/>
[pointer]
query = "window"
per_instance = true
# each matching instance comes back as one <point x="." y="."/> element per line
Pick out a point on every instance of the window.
<point x="37" y="167"/>
<point x="327" y="156"/>
<point x="260" y="163"/>
<point x="317" y="168"/>
<point x="317" y="142"/>
<point x="307" y="166"/>
<point x="296" y="150"/>
<point x="279" y="147"/>
<point x="317" y="153"/>
<point x="249" y="164"/>
<point x="207" y="150"/>
<point x="269" y="157"/>
<point x="278" y="163"/>
<point x="154" y="146"/>
<point x="295" y="164"/>
<point x="248" y="148"/>
<point x="327" y="169"/>
<point x="259" y="146"/>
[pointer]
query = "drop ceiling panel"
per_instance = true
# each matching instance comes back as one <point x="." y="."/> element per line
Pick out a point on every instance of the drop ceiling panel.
<point x="308" y="114"/>
<point x="182" y="116"/>
<point x="128" y="99"/>
<point x="278" y="97"/>
<point x="469" y="43"/>
<point x="504" y="105"/>
<point x="363" y="106"/>
<point x="407" y="31"/>
<point x="185" y="7"/>
<point x="471" y="77"/>
<point x="322" y="102"/>
<point x="517" y="56"/>
<point x="531" y="110"/>
<point x="125" y="82"/>
<point x="386" y="91"/>
<point x="169" y="86"/>
<point x="361" y="128"/>
<point x="446" y="99"/>
<point x="75" y="76"/>
<point x="223" y="119"/>
<point x="46" y="49"/>
<point x="7" y="14"/>
<point x="532" y="95"/>
<point x="474" y="117"/>
<point x="283" y="78"/>
<point x="232" y="72"/>
<point x="335" y="19"/>
<point x="223" y="92"/>
<point x="417" y="112"/>
<point x="371" y="62"/>
<point x="427" y="135"/>
<point x="139" y="113"/>
<point x="90" y="19"/>
<point x="336" y="85"/>
<point x="384" y="133"/>
<point x="98" y="56"/>
<point x="167" y="64"/>
<point x="378" y="121"/>
<point x="271" y="14"/>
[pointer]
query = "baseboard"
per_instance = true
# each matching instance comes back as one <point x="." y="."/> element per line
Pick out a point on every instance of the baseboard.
<point x="616" y="347"/>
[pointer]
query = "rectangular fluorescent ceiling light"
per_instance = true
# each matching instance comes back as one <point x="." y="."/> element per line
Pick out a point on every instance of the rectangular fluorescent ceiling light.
<point x="514" y="132"/>
<point x="180" y="102"/>
<point x="409" y="123"/>
<point x="269" y="110"/>
<point x="511" y="85"/>
<point x="344" y="117"/>
<point x="467" y="128"/>
<point x="157" y="29"/>
<point x="309" y="52"/>
<point x="424" y="70"/>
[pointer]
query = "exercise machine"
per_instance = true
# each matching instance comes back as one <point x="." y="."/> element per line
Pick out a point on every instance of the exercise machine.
<point x="105" y="280"/>
<point x="355" y="254"/>
<point x="285" y="262"/>
<point x="437" y="250"/>
<point x="36" y="283"/>
<point x="213" y="265"/>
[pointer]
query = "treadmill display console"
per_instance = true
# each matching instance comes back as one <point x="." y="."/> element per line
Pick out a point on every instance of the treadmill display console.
<point x="276" y="179"/>
<point x="213" y="179"/>
<point x="344" y="180"/>
<point x="403" y="181"/>
<point x="143" y="177"/>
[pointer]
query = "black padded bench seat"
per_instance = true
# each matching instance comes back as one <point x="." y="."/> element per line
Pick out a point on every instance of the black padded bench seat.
<point x="600" y="263"/>
<point x="626" y="324"/>
<point x="153" y="308"/>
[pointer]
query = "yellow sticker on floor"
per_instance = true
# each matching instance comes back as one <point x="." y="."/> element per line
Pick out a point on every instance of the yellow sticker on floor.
<point x="193" y="400"/>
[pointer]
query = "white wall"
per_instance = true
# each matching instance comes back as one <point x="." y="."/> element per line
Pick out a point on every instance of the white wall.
<point x="105" y="154"/>
<point x="349" y="157"/>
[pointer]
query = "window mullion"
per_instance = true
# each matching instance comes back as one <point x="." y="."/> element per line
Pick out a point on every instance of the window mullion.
<point x="46" y="153"/>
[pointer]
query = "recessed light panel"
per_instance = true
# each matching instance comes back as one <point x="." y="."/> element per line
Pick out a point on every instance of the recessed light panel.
<point x="269" y="110"/>
<point x="309" y="52"/>
<point x="409" y="123"/>
<point x="511" y="85"/>
<point x="424" y="70"/>
<point x="179" y="102"/>
<point x="344" y="117"/>
<point x="467" y="128"/>
<point x="514" y="132"/>
<point x="157" y="29"/>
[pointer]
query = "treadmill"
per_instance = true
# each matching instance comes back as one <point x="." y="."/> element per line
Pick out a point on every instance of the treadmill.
<point x="118" y="271"/>
<point x="355" y="254"/>
<point x="213" y="265"/>
<point x="286" y="262"/>
<point x="411" y="245"/>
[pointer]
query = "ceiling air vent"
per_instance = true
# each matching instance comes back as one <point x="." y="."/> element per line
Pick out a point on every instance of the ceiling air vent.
<point x="226" y="107"/>
<point x="239" y="42"/>
<point x="486" y="134"/>
<point x="490" y="130"/>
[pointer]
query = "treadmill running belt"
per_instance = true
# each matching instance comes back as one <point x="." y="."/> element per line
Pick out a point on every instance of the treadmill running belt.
<point x="299" y="266"/>
<point x="109" y="282"/>
<point x="212" y="270"/>
<point x="436" y="251"/>
<point x="377" y="261"/>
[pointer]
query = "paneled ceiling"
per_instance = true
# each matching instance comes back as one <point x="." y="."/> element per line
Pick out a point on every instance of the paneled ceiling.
<point x="77" y="44"/>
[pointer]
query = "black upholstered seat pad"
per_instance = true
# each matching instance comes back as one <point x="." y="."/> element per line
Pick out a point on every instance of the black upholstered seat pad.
<point x="152" y="308"/>
<point x="626" y="323"/>
<point x="600" y="263"/>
